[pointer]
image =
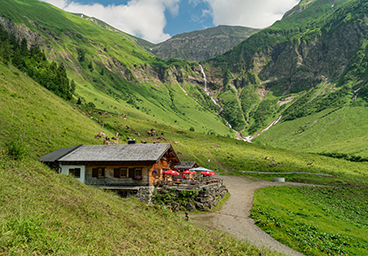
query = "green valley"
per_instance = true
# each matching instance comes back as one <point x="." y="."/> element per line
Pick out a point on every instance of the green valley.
<point x="308" y="71"/>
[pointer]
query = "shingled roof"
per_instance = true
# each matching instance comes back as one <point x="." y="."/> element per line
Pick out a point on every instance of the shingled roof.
<point x="186" y="165"/>
<point x="111" y="153"/>
<point x="57" y="154"/>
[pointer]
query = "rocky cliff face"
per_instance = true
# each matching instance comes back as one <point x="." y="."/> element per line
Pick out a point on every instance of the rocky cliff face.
<point x="201" y="45"/>
<point x="301" y="60"/>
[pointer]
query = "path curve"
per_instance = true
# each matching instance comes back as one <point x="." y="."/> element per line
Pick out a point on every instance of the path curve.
<point x="234" y="217"/>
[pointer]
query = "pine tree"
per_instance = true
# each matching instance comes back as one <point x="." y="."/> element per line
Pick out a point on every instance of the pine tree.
<point x="4" y="35"/>
<point x="17" y="59"/>
<point x="24" y="47"/>
<point x="6" y="52"/>
<point x="14" y="42"/>
<point x="72" y="87"/>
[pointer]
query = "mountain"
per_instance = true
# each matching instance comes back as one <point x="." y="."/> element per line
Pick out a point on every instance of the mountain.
<point x="301" y="66"/>
<point x="317" y="65"/>
<point x="203" y="44"/>
<point x="112" y="72"/>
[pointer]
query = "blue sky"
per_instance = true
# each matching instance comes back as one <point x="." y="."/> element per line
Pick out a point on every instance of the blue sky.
<point x="158" y="20"/>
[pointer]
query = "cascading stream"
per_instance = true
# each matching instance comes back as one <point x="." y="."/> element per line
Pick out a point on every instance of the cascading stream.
<point x="205" y="80"/>
<point x="238" y="135"/>
<point x="356" y="92"/>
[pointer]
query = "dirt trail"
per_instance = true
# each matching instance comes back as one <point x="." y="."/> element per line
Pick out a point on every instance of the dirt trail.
<point x="234" y="216"/>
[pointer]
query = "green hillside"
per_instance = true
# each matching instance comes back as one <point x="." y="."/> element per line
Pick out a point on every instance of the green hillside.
<point x="111" y="71"/>
<point x="340" y="130"/>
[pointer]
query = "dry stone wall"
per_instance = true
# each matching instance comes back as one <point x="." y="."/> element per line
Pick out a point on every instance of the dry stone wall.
<point x="202" y="198"/>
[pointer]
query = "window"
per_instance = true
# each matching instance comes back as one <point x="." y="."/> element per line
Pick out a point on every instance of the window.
<point x="120" y="172"/>
<point x="138" y="171"/>
<point x="75" y="172"/>
<point x="98" y="172"/>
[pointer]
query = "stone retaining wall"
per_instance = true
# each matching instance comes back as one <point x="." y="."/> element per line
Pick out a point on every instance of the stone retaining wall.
<point x="202" y="198"/>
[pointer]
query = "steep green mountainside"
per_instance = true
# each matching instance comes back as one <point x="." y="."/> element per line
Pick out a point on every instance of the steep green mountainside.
<point x="294" y="69"/>
<point x="145" y="44"/>
<point x="112" y="72"/>
<point x="310" y="10"/>
<point x="297" y="69"/>
<point x="203" y="44"/>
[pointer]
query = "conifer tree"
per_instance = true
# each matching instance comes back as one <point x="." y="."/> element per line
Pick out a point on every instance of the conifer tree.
<point x="17" y="59"/>
<point x="24" y="47"/>
<point x="6" y="52"/>
<point x="14" y="42"/>
<point x="72" y="87"/>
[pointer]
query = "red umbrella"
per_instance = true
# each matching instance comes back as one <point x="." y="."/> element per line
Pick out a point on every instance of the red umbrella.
<point x="188" y="172"/>
<point x="171" y="172"/>
<point x="207" y="173"/>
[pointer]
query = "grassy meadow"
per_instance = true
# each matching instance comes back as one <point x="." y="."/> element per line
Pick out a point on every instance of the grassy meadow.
<point x="315" y="220"/>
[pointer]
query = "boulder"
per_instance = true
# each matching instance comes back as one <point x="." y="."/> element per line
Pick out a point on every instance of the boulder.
<point x="175" y="206"/>
<point x="190" y="207"/>
<point x="199" y="206"/>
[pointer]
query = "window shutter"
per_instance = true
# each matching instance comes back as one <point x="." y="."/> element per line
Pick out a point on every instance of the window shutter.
<point x="117" y="173"/>
<point x="131" y="172"/>
<point x="95" y="172"/>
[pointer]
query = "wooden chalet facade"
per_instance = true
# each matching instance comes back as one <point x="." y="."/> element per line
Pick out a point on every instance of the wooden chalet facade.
<point x="114" y="166"/>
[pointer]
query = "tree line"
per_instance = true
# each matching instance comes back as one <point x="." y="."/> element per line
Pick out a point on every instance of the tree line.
<point x="33" y="62"/>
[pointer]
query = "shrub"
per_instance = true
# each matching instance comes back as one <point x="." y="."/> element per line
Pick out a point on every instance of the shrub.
<point x="16" y="148"/>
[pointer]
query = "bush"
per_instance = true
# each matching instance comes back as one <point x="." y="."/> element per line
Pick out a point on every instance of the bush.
<point x="16" y="148"/>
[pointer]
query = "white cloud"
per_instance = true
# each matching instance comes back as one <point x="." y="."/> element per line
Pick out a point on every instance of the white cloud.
<point x="144" y="18"/>
<point x="249" y="13"/>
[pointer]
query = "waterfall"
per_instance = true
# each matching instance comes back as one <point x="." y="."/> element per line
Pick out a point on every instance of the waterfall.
<point x="205" y="80"/>
<point x="238" y="135"/>
<point x="356" y="92"/>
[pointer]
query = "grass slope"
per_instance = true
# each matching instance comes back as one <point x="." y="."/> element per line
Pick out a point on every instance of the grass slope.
<point x="330" y="131"/>
<point x="46" y="213"/>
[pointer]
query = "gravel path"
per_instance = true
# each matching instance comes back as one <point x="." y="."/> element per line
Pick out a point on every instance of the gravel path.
<point x="234" y="216"/>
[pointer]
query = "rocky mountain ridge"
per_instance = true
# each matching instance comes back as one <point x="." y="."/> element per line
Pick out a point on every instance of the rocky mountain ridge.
<point x="203" y="44"/>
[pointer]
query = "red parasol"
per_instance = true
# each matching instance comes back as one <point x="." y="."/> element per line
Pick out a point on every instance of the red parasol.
<point x="189" y="172"/>
<point x="171" y="172"/>
<point x="207" y="173"/>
